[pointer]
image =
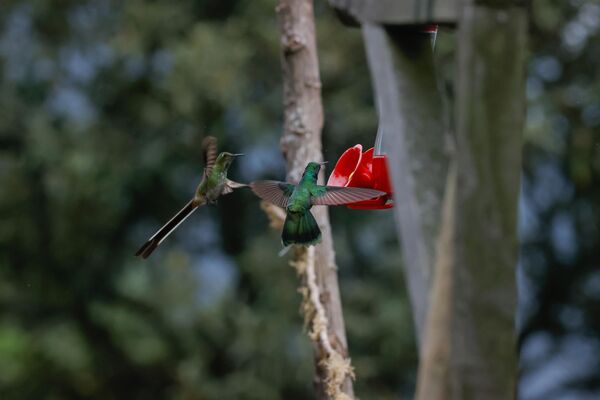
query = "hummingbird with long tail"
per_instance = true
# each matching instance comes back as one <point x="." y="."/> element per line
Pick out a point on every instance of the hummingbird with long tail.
<point x="300" y="226"/>
<point x="213" y="185"/>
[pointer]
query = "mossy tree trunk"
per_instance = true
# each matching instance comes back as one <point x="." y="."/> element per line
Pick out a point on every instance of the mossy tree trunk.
<point x="301" y="143"/>
<point x="472" y="353"/>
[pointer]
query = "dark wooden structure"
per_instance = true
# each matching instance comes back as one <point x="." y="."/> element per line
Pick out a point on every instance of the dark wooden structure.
<point x="411" y="119"/>
<point x="398" y="12"/>
<point x="471" y="353"/>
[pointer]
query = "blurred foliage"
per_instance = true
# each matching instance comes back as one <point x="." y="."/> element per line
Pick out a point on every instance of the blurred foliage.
<point x="104" y="106"/>
<point x="560" y="206"/>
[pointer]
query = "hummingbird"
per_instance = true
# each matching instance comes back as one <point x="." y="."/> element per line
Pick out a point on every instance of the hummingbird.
<point x="300" y="226"/>
<point x="213" y="185"/>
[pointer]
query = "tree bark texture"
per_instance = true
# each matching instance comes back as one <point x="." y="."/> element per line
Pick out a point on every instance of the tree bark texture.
<point x="411" y="117"/>
<point x="490" y="110"/>
<point x="301" y="143"/>
<point x="433" y="378"/>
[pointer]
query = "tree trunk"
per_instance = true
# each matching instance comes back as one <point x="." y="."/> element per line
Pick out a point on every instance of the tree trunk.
<point x="433" y="382"/>
<point x="301" y="143"/>
<point x="490" y="111"/>
<point x="471" y="354"/>
<point x="411" y="117"/>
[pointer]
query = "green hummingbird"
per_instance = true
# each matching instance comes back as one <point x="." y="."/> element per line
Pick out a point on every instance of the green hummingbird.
<point x="300" y="227"/>
<point x="213" y="185"/>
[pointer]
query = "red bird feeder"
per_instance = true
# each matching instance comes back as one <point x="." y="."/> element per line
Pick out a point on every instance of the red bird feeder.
<point x="430" y="28"/>
<point x="357" y="169"/>
<point x="369" y="169"/>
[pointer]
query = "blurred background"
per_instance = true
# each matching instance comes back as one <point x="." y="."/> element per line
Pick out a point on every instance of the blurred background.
<point x="103" y="106"/>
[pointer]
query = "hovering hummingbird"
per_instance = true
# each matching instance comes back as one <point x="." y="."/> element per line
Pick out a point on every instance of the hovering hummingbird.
<point x="300" y="227"/>
<point x="214" y="184"/>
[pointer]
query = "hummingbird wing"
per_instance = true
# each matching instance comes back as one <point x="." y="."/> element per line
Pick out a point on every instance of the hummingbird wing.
<point x="209" y="149"/>
<point x="231" y="185"/>
<point x="275" y="192"/>
<point x="335" y="195"/>
<point x="167" y="228"/>
<point x="235" y="185"/>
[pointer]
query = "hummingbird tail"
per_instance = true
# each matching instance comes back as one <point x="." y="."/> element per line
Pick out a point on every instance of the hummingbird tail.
<point x="169" y="227"/>
<point x="300" y="228"/>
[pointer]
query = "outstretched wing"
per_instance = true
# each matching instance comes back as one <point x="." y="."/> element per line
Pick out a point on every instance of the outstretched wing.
<point x="235" y="185"/>
<point x="275" y="192"/>
<point x="209" y="150"/>
<point x="335" y="196"/>
<point x="231" y="185"/>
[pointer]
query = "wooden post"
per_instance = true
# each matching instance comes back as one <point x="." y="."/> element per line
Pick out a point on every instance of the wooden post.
<point x="301" y="143"/>
<point x="469" y="347"/>
<point x="490" y="110"/>
<point x="411" y="117"/>
<point x="434" y="366"/>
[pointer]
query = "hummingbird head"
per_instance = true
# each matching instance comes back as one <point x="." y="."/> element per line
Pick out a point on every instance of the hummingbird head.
<point x="313" y="168"/>
<point x="225" y="159"/>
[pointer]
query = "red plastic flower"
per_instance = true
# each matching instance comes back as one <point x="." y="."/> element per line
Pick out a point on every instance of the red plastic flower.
<point x="431" y="28"/>
<point x="357" y="169"/>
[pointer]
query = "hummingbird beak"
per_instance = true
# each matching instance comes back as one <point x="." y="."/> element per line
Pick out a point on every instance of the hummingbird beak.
<point x="238" y="155"/>
<point x="323" y="162"/>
